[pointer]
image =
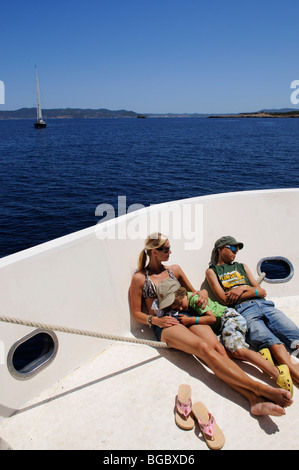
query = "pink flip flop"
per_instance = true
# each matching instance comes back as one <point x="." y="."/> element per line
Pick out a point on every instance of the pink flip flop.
<point x="213" y="435"/>
<point x="183" y="414"/>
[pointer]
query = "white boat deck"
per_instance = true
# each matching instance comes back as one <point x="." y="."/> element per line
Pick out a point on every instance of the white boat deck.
<point x="124" y="397"/>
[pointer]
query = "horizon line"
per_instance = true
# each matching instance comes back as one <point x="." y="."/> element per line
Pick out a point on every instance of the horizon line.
<point x="152" y="113"/>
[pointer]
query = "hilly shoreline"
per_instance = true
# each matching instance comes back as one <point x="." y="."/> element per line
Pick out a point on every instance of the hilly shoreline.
<point x="261" y="114"/>
<point x="67" y="113"/>
<point x="78" y="113"/>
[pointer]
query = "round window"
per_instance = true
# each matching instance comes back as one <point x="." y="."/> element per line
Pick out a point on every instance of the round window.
<point x="277" y="269"/>
<point x="32" y="353"/>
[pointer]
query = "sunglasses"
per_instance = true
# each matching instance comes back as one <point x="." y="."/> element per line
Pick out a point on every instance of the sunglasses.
<point x="165" y="249"/>
<point x="233" y="248"/>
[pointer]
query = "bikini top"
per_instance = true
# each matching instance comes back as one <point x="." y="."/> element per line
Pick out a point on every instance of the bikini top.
<point x="149" y="288"/>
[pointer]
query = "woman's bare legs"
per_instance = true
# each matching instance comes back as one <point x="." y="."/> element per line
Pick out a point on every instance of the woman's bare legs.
<point x="205" y="333"/>
<point x="198" y="342"/>
<point x="258" y="406"/>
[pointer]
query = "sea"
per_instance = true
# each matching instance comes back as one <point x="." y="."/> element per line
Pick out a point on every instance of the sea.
<point x="53" y="179"/>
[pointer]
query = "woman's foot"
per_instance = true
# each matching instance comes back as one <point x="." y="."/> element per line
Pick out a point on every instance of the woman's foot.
<point x="266" y="408"/>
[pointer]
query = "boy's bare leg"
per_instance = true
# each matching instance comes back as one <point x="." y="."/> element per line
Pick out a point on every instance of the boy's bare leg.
<point x="282" y="356"/>
<point x="257" y="359"/>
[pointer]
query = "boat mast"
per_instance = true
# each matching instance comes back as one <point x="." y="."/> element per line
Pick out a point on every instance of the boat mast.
<point x="39" y="111"/>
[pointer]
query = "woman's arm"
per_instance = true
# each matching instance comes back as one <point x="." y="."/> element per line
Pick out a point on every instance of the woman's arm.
<point x="203" y="297"/>
<point x="181" y="277"/>
<point x="135" y="296"/>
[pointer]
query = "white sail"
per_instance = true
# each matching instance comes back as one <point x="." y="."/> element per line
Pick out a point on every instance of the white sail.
<point x="39" y="110"/>
<point x="39" y="118"/>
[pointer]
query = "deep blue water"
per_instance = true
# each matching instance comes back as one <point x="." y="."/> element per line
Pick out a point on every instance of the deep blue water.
<point x="53" y="179"/>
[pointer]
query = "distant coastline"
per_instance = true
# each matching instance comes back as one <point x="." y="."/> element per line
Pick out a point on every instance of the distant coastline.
<point x="67" y="113"/>
<point x="78" y="113"/>
<point x="261" y="114"/>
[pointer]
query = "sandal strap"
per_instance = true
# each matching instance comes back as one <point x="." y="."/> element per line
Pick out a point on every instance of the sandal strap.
<point x="207" y="428"/>
<point x="184" y="408"/>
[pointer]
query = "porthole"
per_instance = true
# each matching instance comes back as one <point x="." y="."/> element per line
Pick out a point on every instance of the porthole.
<point x="277" y="269"/>
<point x="32" y="353"/>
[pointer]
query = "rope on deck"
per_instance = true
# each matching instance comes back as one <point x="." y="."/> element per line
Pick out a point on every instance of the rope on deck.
<point x="74" y="331"/>
<point x="261" y="278"/>
<point x="94" y="334"/>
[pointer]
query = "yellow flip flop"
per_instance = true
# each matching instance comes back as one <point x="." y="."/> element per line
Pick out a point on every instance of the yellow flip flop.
<point x="183" y="412"/>
<point x="284" y="380"/>
<point x="265" y="352"/>
<point x="213" y="435"/>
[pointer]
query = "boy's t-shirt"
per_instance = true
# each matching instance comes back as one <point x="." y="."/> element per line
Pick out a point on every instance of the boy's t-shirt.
<point x="230" y="275"/>
<point x="215" y="307"/>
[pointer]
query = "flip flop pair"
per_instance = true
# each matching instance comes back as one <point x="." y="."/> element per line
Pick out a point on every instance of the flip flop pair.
<point x="186" y="412"/>
<point x="284" y="379"/>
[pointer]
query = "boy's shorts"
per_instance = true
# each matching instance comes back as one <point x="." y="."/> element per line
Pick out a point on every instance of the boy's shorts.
<point x="233" y="330"/>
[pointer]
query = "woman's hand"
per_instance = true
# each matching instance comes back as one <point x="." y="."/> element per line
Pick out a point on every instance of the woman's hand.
<point x="165" y="322"/>
<point x="203" y="298"/>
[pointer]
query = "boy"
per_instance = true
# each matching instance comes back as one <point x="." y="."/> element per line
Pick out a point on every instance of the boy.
<point x="268" y="329"/>
<point x="176" y="301"/>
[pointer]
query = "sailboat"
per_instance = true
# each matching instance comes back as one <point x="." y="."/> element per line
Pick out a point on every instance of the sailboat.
<point x="39" y="123"/>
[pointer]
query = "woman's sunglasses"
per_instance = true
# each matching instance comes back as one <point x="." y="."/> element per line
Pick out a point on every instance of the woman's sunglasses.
<point x="165" y="249"/>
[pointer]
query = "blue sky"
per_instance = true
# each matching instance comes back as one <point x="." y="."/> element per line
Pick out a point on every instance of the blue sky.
<point x="154" y="56"/>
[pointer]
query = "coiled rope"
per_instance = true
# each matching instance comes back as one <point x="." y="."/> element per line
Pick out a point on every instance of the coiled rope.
<point x="74" y="331"/>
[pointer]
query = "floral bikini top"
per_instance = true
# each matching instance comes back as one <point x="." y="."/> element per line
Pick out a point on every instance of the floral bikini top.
<point x="149" y="288"/>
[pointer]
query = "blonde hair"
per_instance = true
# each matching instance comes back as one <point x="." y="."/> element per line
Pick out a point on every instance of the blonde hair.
<point x="155" y="240"/>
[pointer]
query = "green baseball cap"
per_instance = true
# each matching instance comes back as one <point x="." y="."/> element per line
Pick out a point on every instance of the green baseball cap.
<point x="165" y="292"/>
<point x="227" y="240"/>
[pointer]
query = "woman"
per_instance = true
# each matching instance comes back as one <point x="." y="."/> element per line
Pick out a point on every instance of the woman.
<point x="198" y="340"/>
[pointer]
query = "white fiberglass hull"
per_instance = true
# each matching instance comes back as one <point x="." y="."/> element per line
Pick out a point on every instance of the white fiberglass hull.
<point x="82" y="280"/>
